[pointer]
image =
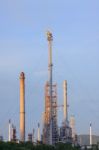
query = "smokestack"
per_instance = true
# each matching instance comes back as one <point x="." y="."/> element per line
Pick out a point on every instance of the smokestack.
<point x="38" y="133"/>
<point x="90" y="134"/>
<point x="65" y="101"/>
<point x="22" y="107"/>
<point x="9" y="139"/>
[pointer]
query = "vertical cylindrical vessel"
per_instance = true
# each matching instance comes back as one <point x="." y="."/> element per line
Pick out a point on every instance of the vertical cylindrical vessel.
<point x="22" y="107"/>
<point x="65" y="101"/>
<point x="38" y="133"/>
<point x="9" y="130"/>
<point x="72" y="125"/>
<point x="90" y="134"/>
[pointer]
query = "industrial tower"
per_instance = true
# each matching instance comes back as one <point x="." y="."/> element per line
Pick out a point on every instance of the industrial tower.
<point x="50" y="131"/>
<point x="91" y="134"/>
<point x="72" y="125"/>
<point x="22" y="107"/>
<point x="65" y="130"/>
<point x="65" y="102"/>
<point x="9" y="139"/>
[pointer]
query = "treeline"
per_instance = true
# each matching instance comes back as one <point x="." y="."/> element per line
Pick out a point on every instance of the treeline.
<point x="30" y="146"/>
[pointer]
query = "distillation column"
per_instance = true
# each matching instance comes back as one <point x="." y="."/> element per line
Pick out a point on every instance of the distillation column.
<point x="38" y="133"/>
<point x="22" y="107"/>
<point x="72" y="125"/>
<point x="90" y="134"/>
<point x="9" y="130"/>
<point x="65" y="102"/>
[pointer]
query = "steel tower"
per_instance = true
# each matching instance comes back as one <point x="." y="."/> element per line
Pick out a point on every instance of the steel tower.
<point x="50" y="65"/>
<point x="50" y="131"/>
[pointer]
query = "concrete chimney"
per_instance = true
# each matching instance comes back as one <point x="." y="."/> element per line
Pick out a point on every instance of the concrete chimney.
<point x="22" y="107"/>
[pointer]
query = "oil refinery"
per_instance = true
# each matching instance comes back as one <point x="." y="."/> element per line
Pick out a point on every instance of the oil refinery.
<point x="51" y="132"/>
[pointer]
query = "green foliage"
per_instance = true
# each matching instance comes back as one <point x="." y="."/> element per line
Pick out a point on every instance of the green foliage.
<point x="68" y="146"/>
<point x="30" y="146"/>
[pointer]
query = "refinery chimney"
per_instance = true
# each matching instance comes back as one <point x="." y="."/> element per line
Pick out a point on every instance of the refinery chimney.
<point x="65" y="101"/>
<point x="22" y="107"/>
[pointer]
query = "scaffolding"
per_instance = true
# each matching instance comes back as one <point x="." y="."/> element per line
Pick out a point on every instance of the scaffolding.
<point x="47" y="119"/>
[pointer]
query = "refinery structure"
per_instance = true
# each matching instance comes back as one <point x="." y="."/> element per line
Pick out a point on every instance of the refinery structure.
<point x="51" y="133"/>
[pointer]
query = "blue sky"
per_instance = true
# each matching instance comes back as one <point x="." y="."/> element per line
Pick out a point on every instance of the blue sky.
<point x="23" y="47"/>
